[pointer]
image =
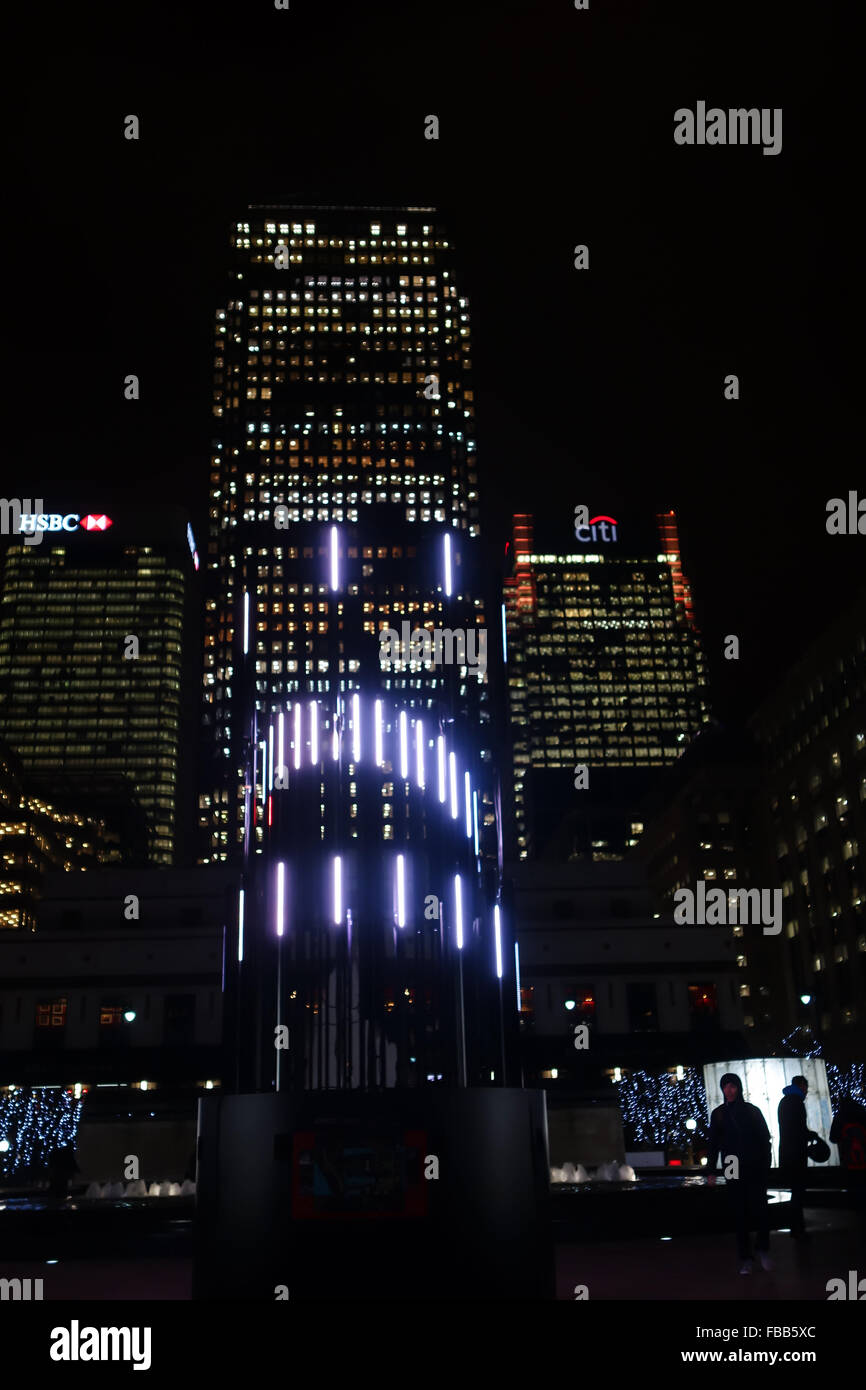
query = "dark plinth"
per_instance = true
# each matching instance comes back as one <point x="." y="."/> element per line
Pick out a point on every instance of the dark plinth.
<point x="326" y="1195"/>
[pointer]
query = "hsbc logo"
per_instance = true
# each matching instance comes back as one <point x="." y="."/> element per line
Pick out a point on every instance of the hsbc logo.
<point x="31" y="522"/>
<point x="595" y="529"/>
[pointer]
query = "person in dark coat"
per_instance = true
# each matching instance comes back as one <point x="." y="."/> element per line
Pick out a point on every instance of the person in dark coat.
<point x="848" y="1130"/>
<point x="739" y="1131"/>
<point x="794" y="1136"/>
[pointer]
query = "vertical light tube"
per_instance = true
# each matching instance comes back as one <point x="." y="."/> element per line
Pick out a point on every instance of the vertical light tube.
<point x="241" y="924"/>
<point x="467" y="790"/>
<point x="448" y="564"/>
<point x="335" y="739"/>
<point x="246" y="623"/>
<point x="271" y="759"/>
<point x="298" y="734"/>
<point x="452" y="777"/>
<point x="419" y="754"/>
<point x="356" y="728"/>
<point x="378" y="732"/>
<point x="281" y="752"/>
<point x="314" y="733"/>
<point x="404" y="746"/>
<point x="504" y="636"/>
<point x="458" y="910"/>
<point x="497" y="929"/>
<point x="440" y="748"/>
<point x="338" y="890"/>
<point x="517" y="974"/>
<point x="264" y="747"/>
<point x="335" y="567"/>
<point x="401" y="891"/>
<point x="281" y="898"/>
<point x="475" y="822"/>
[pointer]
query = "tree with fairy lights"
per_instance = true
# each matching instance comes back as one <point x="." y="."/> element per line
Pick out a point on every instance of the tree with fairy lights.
<point x="657" y="1108"/>
<point x="34" y="1124"/>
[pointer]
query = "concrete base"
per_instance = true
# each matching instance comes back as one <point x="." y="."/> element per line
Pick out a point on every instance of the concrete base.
<point x="417" y="1195"/>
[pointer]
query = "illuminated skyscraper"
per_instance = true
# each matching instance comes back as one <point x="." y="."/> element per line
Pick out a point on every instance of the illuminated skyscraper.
<point x="91" y="665"/>
<point x="604" y="663"/>
<point x="353" y="780"/>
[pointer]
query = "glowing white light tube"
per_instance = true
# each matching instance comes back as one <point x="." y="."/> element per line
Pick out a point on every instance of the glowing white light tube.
<point x="338" y="890"/>
<point x="419" y="754"/>
<point x="497" y="928"/>
<point x="404" y="745"/>
<point x="356" y="728"/>
<point x="281" y="898"/>
<point x="401" y="891"/>
<point x="314" y="733"/>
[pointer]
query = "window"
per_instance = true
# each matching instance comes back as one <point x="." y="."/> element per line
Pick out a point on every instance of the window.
<point x="584" y="1005"/>
<point x="50" y="1023"/>
<point x="703" y="1008"/>
<point x="642" y="1008"/>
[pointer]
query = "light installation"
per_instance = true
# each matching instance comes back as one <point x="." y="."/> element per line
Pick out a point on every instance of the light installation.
<point x="330" y="923"/>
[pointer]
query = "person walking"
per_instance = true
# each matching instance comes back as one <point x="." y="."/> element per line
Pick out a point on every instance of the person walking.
<point x="848" y="1130"/>
<point x="738" y="1131"/>
<point x="794" y="1136"/>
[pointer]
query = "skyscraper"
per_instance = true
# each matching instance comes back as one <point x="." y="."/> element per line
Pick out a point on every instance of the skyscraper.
<point x="90" y="664"/>
<point x="346" y="717"/>
<point x="605" y="668"/>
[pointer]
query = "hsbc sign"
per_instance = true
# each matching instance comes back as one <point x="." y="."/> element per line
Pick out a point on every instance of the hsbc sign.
<point x="31" y="522"/>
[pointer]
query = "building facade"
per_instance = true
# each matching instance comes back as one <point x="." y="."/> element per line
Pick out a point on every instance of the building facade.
<point x="347" y="740"/>
<point x="91" y="663"/>
<point x="605" y="671"/>
<point x="812" y="730"/>
<point x="594" y="952"/>
<point x="36" y="837"/>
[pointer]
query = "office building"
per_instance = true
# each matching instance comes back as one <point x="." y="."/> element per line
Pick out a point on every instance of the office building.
<point x="812" y="731"/>
<point x="37" y="836"/>
<point x="605" y="672"/>
<point x="649" y="992"/>
<point x="346" y="722"/>
<point x="91" y="661"/>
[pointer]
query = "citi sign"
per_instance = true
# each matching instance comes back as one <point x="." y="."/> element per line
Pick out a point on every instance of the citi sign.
<point x="31" y="522"/>
<point x="597" y="528"/>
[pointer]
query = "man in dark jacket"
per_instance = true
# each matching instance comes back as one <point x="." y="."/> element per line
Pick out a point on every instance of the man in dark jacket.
<point x="738" y="1131"/>
<point x="848" y="1130"/>
<point x="794" y="1138"/>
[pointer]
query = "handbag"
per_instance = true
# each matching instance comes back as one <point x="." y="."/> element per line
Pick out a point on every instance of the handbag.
<point x="817" y="1149"/>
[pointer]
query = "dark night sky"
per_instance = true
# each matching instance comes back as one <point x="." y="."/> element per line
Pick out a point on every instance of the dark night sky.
<point x="556" y="127"/>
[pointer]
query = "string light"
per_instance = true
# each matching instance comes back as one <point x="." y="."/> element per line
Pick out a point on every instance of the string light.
<point x="656" y="1107"/>
<point x="34" y="1123"/>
